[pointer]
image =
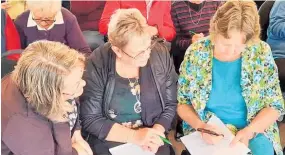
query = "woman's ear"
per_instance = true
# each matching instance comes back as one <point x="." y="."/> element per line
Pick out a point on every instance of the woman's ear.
<point x="117" y="51"/>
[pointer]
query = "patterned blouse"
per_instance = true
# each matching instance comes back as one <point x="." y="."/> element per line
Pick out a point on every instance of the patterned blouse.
<point x="259" y="82"/>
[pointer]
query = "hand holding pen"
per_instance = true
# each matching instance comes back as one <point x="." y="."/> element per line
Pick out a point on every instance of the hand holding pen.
<point x="210" y="134"/>
<point x="196" y="36"/>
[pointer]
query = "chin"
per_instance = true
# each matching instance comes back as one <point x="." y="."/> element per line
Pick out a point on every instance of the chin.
<point x="141" y="64"/>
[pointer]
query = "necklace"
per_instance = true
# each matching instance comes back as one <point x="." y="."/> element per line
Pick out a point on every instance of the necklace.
<point x="200" y="13"/>
<point x="135" y="90"/>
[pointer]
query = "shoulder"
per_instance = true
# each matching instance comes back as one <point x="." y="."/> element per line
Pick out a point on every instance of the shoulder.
<point x="100" y="56"/>
<point x="22" y="19"/>
<point x="259" y="49"/>
<point x="160" y="57"/>
<point x="67" y="16"/>
<point x="204" y="45"/>
<point x="177" y="4"/>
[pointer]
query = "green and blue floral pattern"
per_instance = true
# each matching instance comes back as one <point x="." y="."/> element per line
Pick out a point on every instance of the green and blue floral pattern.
<point x="259" y="82"/>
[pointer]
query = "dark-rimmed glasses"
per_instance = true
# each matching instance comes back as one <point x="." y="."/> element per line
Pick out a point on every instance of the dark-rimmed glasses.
<point x="47" y="21"/>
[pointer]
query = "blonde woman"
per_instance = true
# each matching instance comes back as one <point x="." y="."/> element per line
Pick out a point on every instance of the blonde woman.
<point x="39" y="113"/>
<point x="130" y="95"/>
<point x="232" y="75"/>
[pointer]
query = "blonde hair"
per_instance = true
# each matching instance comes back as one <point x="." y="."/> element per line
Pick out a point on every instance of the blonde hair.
<point x="45" y="6"/>
<point x="125" y="24"/>
<point x="236" y="15"/>
<point x="40" y="73"/>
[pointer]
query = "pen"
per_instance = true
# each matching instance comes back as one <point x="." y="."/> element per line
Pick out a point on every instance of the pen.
<point x="192" y="32"/>
<point x="209" y="132"/>
<point x="165" y="140"/>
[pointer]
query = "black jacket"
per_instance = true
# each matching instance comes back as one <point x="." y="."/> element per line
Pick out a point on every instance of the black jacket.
<point x="100" y="82"/>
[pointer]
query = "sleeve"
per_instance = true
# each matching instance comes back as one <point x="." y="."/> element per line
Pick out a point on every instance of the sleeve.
<point x="277" y="20"/>
<point x="183" y="94"/>
<point x="75" y="38"/>
<point x="182" y="42"/>
<point x="166" y="29"/>
<point x="110" y="7"/>
<point x="78" y="121"/>
<point x="22" y="137"/>
<point x="12" y="38"/>
<point x="20" y="29"/>
<point x="273" y="95"/>
<point x="91" y="110"/>
<point x="169" y="112"/>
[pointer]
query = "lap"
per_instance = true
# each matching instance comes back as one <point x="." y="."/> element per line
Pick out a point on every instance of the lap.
<point x="261" y="145"/>
<point x="101" y="147"/>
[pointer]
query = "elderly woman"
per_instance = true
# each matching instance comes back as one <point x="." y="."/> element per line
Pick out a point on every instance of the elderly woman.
<point x="47" y="20"/>
<point x="130" y="96"/>
<point x="39" y="113"/>
<point x="232" y="75"/>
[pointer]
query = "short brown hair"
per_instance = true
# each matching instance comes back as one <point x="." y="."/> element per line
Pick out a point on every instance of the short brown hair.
<point x="236" y="15"/>
<point x="40" y="73"/>
<point x="125" y="24"/>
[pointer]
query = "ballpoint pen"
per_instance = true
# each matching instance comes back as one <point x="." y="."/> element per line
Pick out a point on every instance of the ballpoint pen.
<point x="209" y="132"/>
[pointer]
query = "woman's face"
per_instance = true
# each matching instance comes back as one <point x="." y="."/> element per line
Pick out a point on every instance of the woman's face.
<point x="228" y="49"/>
<point x="73" y="83"/>
<point x="43" y="19"/>
<point x="137" y="51"/>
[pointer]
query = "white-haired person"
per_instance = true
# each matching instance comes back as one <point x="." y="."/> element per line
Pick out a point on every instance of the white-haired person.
<point x="47" y="20"/>
<point x="39" y="114"/>
<point x="130" y="92"/>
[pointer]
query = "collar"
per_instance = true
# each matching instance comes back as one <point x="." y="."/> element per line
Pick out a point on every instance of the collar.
<point x="58" y="20"/>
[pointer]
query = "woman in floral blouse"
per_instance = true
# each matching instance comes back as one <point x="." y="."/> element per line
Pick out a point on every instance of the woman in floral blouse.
<point x="232" y="75"/>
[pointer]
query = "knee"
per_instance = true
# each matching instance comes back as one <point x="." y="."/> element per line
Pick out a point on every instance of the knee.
<point x="261" y="145"/>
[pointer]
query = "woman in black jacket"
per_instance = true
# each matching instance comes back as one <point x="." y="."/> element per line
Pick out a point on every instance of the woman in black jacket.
<point x="130" y="95"/>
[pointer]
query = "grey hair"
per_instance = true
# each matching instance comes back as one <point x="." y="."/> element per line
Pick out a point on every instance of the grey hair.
<point x="46" y="6"/>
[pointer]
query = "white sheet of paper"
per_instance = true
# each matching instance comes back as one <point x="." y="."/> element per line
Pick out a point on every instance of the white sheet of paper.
<point x="130" y="149"/>
<point x="196" y="145"/>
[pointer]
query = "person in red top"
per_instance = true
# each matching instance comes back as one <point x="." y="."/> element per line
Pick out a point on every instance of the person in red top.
<point x="10" y="37"/>
<point x="156" y="12"/>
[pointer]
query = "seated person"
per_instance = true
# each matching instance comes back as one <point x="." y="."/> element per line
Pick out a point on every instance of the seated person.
<point x="88" y="14"/>
<point x="232" y="75"/>
<point x="10" y="38"/>
<point x="157" y="14"/>
<point x="47" y="20"/>
<point x="192" y="21"/>
<point x="130" y="92"/>
<point x="276" y="38"/>
<point x="39" y="113"/>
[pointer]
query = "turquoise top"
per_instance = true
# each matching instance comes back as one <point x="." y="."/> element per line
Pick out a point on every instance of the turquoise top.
<point x="226" y="99"/>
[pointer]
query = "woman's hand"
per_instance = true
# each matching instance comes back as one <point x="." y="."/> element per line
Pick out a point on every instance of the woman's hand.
<point x="78" y="140"/>
<point x="210" y="139"/>
<point x="159" y="128"/>
<point x="196" y="37"/>
<point x="243" y="136"/>
<point x="148" y="139"/>
<point x="80" y="150"/>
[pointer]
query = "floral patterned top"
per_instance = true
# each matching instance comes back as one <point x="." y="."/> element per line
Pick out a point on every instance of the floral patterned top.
<point x="259" y="82"/>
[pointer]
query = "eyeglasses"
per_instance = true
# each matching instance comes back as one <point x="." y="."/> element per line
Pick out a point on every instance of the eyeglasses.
<point x="154" y="40"/>
<point x="47" y="21"/>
